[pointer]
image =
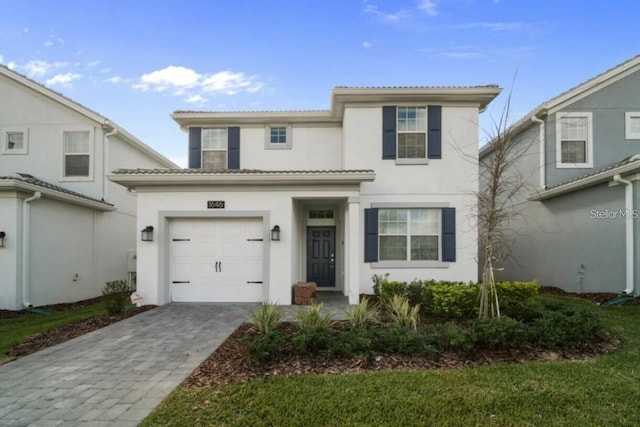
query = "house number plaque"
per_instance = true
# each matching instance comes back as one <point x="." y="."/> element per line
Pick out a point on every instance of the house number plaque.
<point x="215" y="204"/>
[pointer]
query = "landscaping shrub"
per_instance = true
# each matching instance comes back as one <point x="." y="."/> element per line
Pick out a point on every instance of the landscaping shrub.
<point x="559" y="325"/>
<point x="358" y="342"/>
<point x="266" y="318"/>
<point x="501" y="332"/>
<point x="454" y="300"/>
<point x="402" y="312"/>
<point x="116" y="296"/>
<point x="315" y="339"/>
<point x="397" y="338"/>
<point x="448" y="336"/>
<point x="312" y="317"/>
<point x="265" y="346"/>
<point x="363" y="314"/>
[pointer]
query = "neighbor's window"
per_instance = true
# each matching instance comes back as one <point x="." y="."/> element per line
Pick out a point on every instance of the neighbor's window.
<point x="409" y="234"/>
<point x="632" y="125"/>
<point x="214" y="149"/>
<point x="14" y="141"/>
<point x="412" y="125"/>
<point x="574" y="139"/>
<point x="77" y="154"/>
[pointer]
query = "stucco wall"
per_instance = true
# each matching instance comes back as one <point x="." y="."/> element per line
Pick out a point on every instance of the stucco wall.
<point x="609" y="144"/>
<point x="10" y="214"/>
<point x="557" y="237"/>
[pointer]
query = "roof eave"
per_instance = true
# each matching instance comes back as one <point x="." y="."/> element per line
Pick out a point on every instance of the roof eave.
<point x="56" y="195"/>
<point x="191" y="119"/>
<point x="143" y="180"/>
<point x="587" y="182"/>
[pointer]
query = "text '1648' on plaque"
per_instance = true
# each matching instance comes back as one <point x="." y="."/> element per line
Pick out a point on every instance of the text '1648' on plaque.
<point x="215" y="204"/>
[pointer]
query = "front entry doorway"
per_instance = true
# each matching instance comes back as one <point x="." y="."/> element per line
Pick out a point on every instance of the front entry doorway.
<point x="321" y="256"/>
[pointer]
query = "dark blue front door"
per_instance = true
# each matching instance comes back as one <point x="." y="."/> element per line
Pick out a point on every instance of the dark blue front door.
<point x="321" y="256"/>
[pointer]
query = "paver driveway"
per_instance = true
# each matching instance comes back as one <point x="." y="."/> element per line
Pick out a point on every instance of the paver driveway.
<point x="116" y="375"/>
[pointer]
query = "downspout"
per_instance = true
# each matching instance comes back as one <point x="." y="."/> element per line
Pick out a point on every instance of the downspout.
<point x="628" y="201"/>
<point x="26" y="249"/>
<point x="543" y="178"/>
<point x="105" y="161"/>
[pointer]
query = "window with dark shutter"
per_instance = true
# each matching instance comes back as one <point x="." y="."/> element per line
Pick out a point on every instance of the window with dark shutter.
<point x="449" y="234"/>
<point x="371" y="235"/>
<point x="389" y="134"/>
<point x="434" y="137"/>
<point x="234" y="148"/>
<point x="195" y="148"/>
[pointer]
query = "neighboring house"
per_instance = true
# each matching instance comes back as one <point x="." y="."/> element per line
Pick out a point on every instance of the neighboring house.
<point x="579" y="229"/>
<point x="383" y="182"/>
<point x="66" y="228"/>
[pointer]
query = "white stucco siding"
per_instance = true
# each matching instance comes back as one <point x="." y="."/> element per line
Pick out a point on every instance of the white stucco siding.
<point x="62" y="246"/>
<point x="274" y="205"/>
<point x="456" y="172"/>
<point x="9" y="256"/>
<point x="312" y="148"/>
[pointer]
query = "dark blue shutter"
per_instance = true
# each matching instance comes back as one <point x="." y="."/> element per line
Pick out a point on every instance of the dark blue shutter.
<point x="449" y="234"/>
<point x="371" y="235"/>
<point x="388" y="133"/>
<point x="233" y="147"/>
<point x="434" y="135"/>
<point x="195" y="148"/>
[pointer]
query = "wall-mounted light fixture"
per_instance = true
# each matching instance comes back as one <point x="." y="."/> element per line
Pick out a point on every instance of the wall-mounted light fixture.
<point x="147" y="234"/>
<point x="275" y="233"/>
<point x="2" y="234"/>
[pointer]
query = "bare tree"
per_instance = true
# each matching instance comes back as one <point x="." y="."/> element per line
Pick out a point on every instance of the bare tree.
<point x="500" y="184"/>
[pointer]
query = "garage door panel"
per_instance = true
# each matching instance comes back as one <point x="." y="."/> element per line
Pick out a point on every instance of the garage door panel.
<point x="216" y="258"/>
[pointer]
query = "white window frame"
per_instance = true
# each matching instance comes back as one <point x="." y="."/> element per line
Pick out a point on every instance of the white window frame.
<point x="268" y="145"/>
<point x="409" y="234"/>
<point x="588" y="143"/>
<point x="628" y="117"/>
<point x="90" y="153"/>
<point x="418" y="160"/>
<point x="5" y="140"/>
<point x="225" y="150"/>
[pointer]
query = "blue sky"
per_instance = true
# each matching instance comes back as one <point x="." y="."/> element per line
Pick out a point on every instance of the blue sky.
<point x="137" y="61"/>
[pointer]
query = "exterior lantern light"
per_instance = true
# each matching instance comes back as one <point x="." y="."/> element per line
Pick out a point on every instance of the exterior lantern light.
<point x="147" y="234"/>
<point x="2" y="234"/>
<point x="275" y="233"/>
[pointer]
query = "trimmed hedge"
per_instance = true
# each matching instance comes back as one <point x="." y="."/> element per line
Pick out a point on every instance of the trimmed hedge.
<point x="454" y="300"/>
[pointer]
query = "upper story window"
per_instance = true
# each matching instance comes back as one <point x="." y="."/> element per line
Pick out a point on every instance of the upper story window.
<point x="278" y="137"/>
<point x="214" y="149"/>
<point x="15" y="141"/>
<point x="409" y="234"/>
<point x="574" y="140"/>
<point x="77" y="154"/>
<point x="632" y="125"/>
<point x="412" y="127"/>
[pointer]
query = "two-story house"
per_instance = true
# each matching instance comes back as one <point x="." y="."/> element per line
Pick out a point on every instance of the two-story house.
<point x="383" y="182"/>
<point x="65" y="230"/>
<point x="578" y="228"/>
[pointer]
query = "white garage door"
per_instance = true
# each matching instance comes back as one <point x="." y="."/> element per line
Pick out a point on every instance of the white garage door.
<point x="216" y="260"/>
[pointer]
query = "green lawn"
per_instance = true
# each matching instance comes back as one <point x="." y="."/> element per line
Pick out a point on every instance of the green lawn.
<point x="12" y="331"/>
<point x="605" y="391"/>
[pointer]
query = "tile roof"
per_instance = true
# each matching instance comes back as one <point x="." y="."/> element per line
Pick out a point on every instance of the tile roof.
<point x="233" y="171"/>
<point x="419" y="87"/>
<point x="627" y="161"/>
<point x="30" y="179"/>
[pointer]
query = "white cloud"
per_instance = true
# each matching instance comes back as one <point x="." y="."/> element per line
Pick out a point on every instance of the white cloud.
<point x="1" y="59"/>
<point x="48" y="43"/>
<point x="389" y="17"/>
<point x="62" y="79"/>
<point x="114" y="79"/>
<point x="428" y="7"/>
<point x="38" y="68"/>
<point x="11" y="65"/>
<point x="179" y="80"/>
<point x="366" y="45"/>
<point x="92" y="64"/>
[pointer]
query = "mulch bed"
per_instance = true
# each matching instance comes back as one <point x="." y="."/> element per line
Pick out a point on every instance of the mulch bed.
<point x="67" y="332"/>
<point x="595" y="297"/>
<point x="230" y="363"/>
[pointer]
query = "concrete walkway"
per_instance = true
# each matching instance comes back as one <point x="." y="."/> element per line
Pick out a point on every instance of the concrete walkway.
<point x="117" y="375"/>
